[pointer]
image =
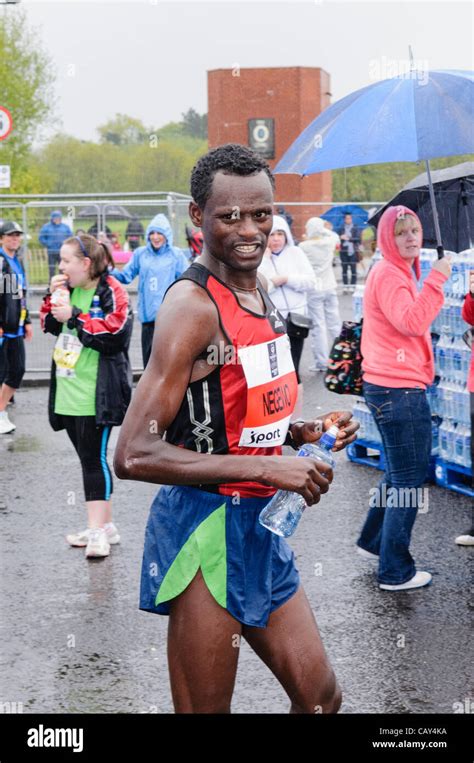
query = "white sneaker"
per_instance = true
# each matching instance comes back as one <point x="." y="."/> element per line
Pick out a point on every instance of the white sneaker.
<point x="98" y="544"/>
<point x="112" y="534"/>
<point x="316" y="368"/>
<point x="418" y="580"/>
<point x="366" y="554"/>
<point x="6" y="425"/>
<point x="79" y="540"/>
<point x="465" y="540"/>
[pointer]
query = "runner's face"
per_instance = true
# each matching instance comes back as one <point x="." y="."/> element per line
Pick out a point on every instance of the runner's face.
<point x="74" y="267"/>
<point x="11" y="242"/>
<point x="237" y="219"/>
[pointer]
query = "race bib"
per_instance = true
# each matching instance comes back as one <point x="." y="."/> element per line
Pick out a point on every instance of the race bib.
<point x="66" y="354"/>
<point x="271" y="394"/>
<point x="22" y="312"/>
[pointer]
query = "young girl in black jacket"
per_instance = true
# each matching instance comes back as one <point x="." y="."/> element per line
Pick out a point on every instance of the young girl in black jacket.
<point x="91" y="380"/>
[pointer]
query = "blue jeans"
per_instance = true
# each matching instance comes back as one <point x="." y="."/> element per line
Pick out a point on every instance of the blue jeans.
<point x="349" y="261"/>
<point x="403" y="418"/>
<point x="53" y="260"/>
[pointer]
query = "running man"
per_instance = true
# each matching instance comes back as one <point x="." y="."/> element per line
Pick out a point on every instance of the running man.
<point x="207" y="421"/>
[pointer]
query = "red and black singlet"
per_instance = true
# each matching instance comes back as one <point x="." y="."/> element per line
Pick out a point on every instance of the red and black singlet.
<point x="243" y="407"/>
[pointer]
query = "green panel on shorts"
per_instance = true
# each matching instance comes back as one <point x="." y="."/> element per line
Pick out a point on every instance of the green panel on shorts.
<point x="205" y="548"/>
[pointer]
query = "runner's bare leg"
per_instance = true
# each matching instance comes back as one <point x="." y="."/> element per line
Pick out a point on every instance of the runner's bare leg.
<point x="292" y="648"/>
<point x="203" y="651"/>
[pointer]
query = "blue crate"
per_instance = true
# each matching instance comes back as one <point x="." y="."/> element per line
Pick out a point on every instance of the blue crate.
<point x="358" y="453"/>
<point x="454" y="477"/>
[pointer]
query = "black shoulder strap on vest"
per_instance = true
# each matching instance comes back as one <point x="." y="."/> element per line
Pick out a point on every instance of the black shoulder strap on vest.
<point x="197" y="273"/>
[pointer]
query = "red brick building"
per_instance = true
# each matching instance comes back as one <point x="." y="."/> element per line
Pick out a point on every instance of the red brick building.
<point x="267" y="109"/>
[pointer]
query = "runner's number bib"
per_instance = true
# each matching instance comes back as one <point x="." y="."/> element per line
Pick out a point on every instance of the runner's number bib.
<point x="66" y="354"/>
<point x="271" y="395"/>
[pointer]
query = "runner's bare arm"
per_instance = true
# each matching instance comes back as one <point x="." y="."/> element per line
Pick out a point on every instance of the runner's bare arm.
<point x="188" y="323"/>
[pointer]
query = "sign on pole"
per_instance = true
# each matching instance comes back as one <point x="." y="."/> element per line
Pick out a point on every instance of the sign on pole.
<point x="4" y="176"/>
<point x="6" y="123"/>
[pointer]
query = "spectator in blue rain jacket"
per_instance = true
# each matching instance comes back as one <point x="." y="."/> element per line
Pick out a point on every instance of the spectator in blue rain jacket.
<point x="157" y="264"/>
<point x="52" y="235"/>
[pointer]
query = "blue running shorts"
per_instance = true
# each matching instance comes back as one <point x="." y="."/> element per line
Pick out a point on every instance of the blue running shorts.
<point x="249" y="570"/>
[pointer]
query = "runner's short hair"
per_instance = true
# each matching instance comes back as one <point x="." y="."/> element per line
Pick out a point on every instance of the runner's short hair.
<point x="232" y="159"/>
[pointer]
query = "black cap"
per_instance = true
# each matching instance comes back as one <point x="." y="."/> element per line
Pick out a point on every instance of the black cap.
<point x="10" y="227"/>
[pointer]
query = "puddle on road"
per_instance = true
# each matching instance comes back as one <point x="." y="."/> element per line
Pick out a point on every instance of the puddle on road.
<point x="20" y="443"/>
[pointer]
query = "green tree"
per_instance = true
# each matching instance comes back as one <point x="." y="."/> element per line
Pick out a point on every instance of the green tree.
<point x="75" y="166"/>
<point x="380" y="182"/>
<point x="123" y="130"/>
<point x="26" y="90"/>
<point x="195" y="124"/>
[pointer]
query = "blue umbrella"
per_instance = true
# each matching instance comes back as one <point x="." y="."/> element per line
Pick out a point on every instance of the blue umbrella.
<point x="335" y="215"/>
<point x="415" y="116"/>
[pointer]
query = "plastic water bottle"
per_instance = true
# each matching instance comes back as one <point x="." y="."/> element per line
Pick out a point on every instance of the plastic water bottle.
<point x="96" y="310"/>
<point x="61" y="296"/>
<point x="445" y="440"/>
<point x="448" y="359"/>
<point x="467" y="447"/>
<point x="358" y="303"/>
<point x="465" y="406"/>
<point x="283" y="512"/>
<point x="451" y="439"/>
<point x="425" y="265"/>
<point x="455" y="279"/>
<point x="431" y="394"/>
<point x="458" y="450"/>
<point x="440" y="358"/>
<point x="457" y="402"/>
<point x="434" y="436"/>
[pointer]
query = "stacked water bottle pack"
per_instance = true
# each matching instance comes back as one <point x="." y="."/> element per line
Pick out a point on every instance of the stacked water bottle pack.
<point x="368" y="428"/>
<point x="448" y="397"/>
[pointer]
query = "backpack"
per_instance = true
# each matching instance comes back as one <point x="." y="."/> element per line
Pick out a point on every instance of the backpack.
<point x="344" y="371"/>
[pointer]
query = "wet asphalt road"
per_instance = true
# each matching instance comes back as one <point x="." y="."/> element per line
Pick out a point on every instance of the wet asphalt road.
<point x="72" y="637"/>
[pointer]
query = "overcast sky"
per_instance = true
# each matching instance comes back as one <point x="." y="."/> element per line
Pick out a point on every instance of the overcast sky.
<point x="149" y="58"/>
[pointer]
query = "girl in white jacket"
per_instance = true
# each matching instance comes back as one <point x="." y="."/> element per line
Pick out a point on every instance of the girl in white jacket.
<point x="290" y="276"/>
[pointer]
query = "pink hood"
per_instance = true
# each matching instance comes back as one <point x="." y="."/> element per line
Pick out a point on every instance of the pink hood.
<point x="386" y="238"/>
<point x="396" y="342"/>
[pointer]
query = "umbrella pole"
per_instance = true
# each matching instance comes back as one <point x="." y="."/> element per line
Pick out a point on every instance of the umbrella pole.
<point x="439" y="245"/>
<point x="465" y="202"/>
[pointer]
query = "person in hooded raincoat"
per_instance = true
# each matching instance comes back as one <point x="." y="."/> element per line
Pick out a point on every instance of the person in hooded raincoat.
<point x="157" y="264"/>
<point x="320" y="246"/>
<point x="398" y="366"/>
<point x="290" y="278"/>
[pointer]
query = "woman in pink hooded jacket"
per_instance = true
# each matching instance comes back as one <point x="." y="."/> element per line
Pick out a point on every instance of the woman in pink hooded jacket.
<point x="398" y="366"/>
<point x="468" y="316"/>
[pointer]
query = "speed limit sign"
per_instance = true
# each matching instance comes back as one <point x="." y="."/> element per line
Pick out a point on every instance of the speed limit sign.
<point x="6" y="123"/>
